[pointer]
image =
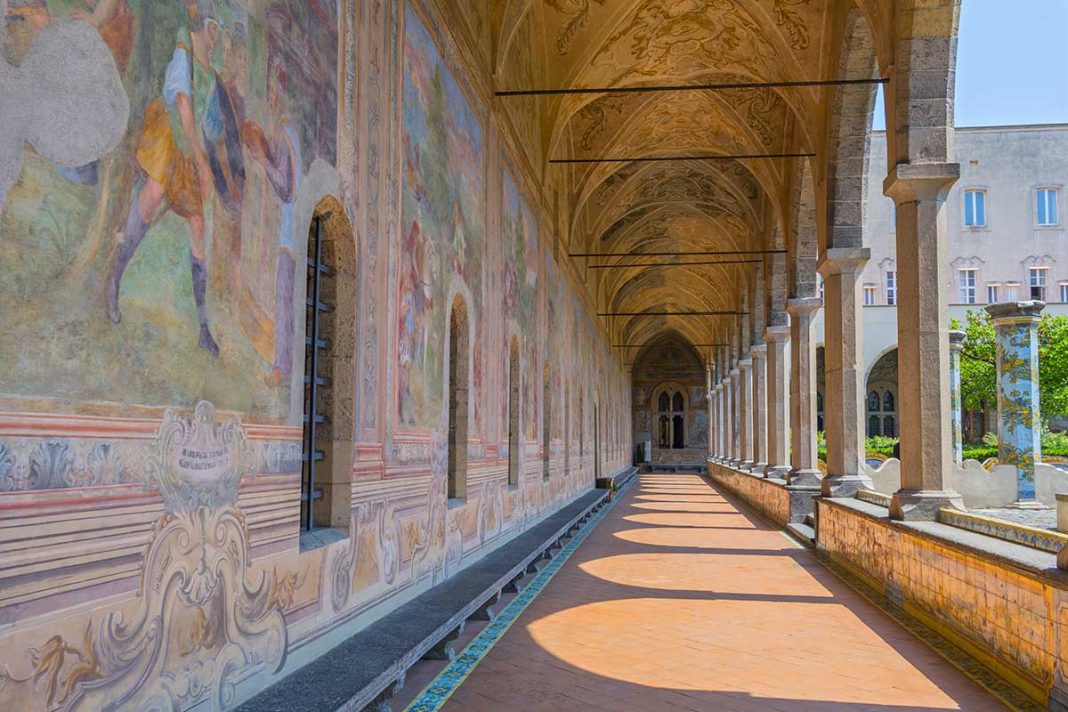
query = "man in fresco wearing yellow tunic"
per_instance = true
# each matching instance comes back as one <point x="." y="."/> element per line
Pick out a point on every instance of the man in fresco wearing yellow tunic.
<point x="171" y="153"/>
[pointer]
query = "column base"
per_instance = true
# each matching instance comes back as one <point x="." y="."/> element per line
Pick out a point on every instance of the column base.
<point x="922" y="505"/>
<point x="777" y="472"/>
<point x="805" y="478"/>
<point x="845" y="485"/>
<point x="1028" y="504"/>
<point x="746" y="465"/>
<point x="758" y="468"/>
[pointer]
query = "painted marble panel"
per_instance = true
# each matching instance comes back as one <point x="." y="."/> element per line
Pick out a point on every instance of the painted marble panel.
<point x="442" y="226"/>
<point x="520" y="290"/>
<point x="161" y="267"/>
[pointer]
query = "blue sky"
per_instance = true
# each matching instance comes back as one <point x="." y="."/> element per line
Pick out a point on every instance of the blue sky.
<point x="1012" y="63"/>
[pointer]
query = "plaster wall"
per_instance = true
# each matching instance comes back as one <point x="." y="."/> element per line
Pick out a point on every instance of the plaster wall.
<point x="150" y="483"/>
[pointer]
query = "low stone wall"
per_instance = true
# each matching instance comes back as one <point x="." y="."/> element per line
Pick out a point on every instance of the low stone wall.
<point x="979" y="487"/>
<point x="1004" y="604"/>
<point x="768" y="496"/>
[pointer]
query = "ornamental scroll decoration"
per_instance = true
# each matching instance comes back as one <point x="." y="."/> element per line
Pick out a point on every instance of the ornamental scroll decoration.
<point x="201" y="625"/>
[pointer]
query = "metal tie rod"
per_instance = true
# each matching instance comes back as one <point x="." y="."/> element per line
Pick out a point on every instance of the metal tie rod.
<point x="693" y="313"/>
<point x="691" y="87"/>
<point x="701" y="263"/>
<point x="692" y="253"/>
<point x="666" y="159"/>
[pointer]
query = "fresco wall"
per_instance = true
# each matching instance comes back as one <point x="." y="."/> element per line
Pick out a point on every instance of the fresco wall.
<point x="158" y="179"/>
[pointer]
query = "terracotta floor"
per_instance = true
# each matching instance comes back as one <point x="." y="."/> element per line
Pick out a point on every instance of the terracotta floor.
<point x="679" y="601"/>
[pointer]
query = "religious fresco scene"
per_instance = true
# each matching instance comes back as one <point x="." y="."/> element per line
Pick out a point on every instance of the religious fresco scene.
<point x="554" y="354"/>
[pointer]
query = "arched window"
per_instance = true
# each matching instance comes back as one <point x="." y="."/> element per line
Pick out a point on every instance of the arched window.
<point x="676" y="402"/>
<point x="678" y="441"/>
<point x="874" y="426"/>
<point x="873" y="401"/>
<point x="888" y="403"/>
<point x="664" y="403"/>
<point x="330" y="308"/>
<point x="458" y="399"/>
<point x="881" y="414"/>
<point x="513" y="413"/>
<point x="546" y="419"/>
<point x="671" y="421"/>
<point x="889" y="426"/>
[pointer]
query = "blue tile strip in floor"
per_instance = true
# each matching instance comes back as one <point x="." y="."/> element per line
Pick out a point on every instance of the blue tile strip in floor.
<point x="441" y="688"/>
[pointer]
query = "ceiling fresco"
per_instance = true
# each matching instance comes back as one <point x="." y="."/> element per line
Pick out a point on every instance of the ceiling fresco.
<point x="626" y="207"/>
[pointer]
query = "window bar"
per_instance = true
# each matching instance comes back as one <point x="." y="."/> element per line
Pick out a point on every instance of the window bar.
<point x="314" y="343"/>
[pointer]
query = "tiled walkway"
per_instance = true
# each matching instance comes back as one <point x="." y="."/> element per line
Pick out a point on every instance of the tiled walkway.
<point x="679" y="601"/>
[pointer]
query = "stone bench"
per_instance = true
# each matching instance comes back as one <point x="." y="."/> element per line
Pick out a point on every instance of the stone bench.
<point x="364" y="671"/>
<point x="617" y="480"/>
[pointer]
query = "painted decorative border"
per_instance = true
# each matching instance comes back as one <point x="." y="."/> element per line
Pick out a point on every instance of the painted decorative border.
<point x="442" y="687"/>
<point x="1041" y="539"/>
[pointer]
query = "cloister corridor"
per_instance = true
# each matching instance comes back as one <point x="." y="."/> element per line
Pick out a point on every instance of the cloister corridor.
<point x="680" y="600"/>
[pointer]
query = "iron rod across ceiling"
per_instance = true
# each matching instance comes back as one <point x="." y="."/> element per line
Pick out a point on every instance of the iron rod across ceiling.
<point x="642" y="346"/>
<point x="665" y="159"/>
<point x="691" y="313"/>
<point x="691" y="253"/>
<point x="722" y="86"/>
<point x="700" y="263"/>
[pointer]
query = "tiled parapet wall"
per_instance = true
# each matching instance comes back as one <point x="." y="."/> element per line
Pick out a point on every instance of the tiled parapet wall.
<point x="1005" y="605"/>
<point x="768" y="496"/>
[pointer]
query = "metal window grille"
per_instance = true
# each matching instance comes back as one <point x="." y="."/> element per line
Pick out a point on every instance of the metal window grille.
<point x="316" y="348"/>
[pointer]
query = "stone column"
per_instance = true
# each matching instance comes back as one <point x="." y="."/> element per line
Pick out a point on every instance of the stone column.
<point x="1019" y="434"/>
<point x="735" y="455"/>
<point x="919" y="192"/>
<point x="956" y="345"/>
<point x="804" y="471"/>
<point x="777" y="337"/>
<point x="843" y="403"/>
<point x="721" y="426"/>
<point x="709" y="398"/>
<point x="759" y="354"/>
<point x="745" y="414"/>
<point x="728" y="418"/>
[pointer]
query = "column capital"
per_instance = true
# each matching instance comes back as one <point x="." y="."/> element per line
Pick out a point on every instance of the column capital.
<point x="843" y="260"/>
<point x="718" y="388"/>
<point x="745" y="364"/>
<point x="1016" y="312"/>
<point x="758" y="351"/>
<point x="735" y="372"/>
<point x="777" y="333"/>
<point x="911" y="182"/>
<point x="956" y="340"/>
<point x="804" y="306"/>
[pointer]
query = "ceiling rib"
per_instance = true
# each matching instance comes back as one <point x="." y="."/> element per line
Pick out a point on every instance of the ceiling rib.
<point x="700" y="263"/>
<point x="670" y="159"/>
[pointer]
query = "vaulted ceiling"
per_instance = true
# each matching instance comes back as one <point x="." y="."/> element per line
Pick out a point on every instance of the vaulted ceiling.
<point x="628" y="207"/>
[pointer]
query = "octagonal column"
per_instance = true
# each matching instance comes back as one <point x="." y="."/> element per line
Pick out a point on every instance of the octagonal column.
<point x="728" y="418"/>
<point x="803" y="471"/>
<point x="1019" y="434"/>
<point x="709" y="398"/>
<point x="843" y="348"/>
<point x="956" y="345"/>
<point x="759" y="354"/>
<point x="736" y="417"/>
<point x="778" y="465"/>
<point x="919" y="192"/>
<point x="745" y="414"/>
<point x="721" y="425"/>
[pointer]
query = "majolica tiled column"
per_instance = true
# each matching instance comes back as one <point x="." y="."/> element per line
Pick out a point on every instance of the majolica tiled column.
<point x="956" y="345"/>
<point x="745" y="414"/>
<point x="919" y="192"/>
<point x="804" y="471"/>
<point x="1019" y="434"/>
<point x="843" y="348"/>
<point x="759" y="354"/>
<point x="778" y="465"/>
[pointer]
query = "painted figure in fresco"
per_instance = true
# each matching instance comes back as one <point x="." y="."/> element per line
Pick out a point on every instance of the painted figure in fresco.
<point x="172" y="152"/>
<point x="279" y="154"/>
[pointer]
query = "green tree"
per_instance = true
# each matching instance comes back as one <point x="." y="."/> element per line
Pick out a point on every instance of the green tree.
<point x="979" y="371"/>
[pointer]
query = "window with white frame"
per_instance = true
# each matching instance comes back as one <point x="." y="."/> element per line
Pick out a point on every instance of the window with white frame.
<point x="1037" y="280"/>
<point x="1046" y="207"/>
<point x="993" y="292"/>
<point x="1064" y="292"/>
<point x="891" y="287"/>
<point x="966" y="282"/>
<point x="869" y="295"/>
<point x="975" y="208"/>
<point x="1012" y="291"/>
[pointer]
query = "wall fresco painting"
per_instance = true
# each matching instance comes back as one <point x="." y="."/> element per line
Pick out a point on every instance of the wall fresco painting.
<point x="164" y="270"/>
<point x="520" y="290"/>
<point x="442" y="226"/>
